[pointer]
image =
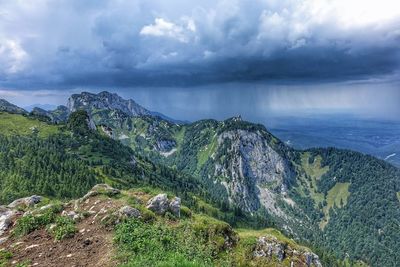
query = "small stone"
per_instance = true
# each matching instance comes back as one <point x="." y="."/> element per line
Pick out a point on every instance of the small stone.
<point x="3" y="239"/>
<point x="87" y="242"/>
<point x="31" y="246"/>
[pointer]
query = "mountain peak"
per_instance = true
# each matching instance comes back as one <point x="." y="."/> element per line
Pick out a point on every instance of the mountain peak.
<point x="105" y="100"/>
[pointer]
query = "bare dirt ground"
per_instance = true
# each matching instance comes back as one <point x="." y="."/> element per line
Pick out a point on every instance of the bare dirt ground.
<point x="92" y="244"/>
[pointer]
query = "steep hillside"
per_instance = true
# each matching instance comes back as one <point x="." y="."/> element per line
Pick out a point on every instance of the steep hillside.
<point x="354" y="201"/>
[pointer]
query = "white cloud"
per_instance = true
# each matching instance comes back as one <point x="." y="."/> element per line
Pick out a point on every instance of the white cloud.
<point x="162" y="27"/>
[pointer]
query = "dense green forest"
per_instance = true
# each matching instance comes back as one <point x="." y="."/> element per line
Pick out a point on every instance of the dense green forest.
<point x="358" y="210"/>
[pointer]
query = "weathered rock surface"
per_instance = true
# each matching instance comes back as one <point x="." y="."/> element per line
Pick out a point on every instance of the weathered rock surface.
<point x="72" y="215"/>
<point x="108" y="131"/>
<point x="105" y="100"/>
<point x="312" y="259"/>
<point x="6" y="216"/>
<point x="26" y="201"/>
<point x="255" y="172"/>
<point x="160" y="205"/>
<point x="101" y="189"/>
<point x="271" y="247"/>
<point x="164" y="145"/>
<point x="129" y="212"/>
<point x="175" y="206"/>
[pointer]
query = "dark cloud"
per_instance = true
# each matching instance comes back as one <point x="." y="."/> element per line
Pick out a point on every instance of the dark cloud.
<point x="50" y="43"/>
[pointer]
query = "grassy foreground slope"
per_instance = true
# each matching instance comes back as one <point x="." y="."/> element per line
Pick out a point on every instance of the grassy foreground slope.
<point x="93" y="231"/>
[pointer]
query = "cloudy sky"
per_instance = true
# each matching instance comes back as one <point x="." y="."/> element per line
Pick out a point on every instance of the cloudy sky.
<point x="191" y="59"/>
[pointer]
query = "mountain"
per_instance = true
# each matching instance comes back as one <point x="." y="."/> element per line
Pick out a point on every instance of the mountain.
<point x="41" y="106"/>
<point x="105" y="101"/>
<point x="8" y="107"/>
<point x="337" y="201"/>
<point x="58" y="115"/>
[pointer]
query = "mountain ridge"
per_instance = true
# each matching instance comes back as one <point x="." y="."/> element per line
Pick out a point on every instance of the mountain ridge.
<point x="309" y="194"/>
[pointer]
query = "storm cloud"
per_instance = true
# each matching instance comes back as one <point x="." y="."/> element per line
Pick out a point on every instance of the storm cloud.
<point x="71" y="43"/>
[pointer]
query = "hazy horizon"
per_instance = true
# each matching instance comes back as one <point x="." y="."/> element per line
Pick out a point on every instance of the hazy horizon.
<point x="207" y="59"/>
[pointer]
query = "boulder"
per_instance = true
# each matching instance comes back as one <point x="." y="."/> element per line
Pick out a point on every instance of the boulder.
<point x="101" y="189"/>
<point x="158" y="204"/>
<point x="129" y="212"/>
<point x="175" y="206"/>
<point x="269" y="246"/>
<point x="27" y="202"/>
<point x="6" y="216"/>
<point x="312" y="259"/>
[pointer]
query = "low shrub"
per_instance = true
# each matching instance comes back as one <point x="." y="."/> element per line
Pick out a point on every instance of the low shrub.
<point x="64" y="228"/>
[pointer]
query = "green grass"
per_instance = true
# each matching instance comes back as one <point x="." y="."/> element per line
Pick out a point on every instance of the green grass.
<point x="242" y="253"/>
<point x="64" y="228"/>
<point x="30" y="223"/>
<point x="336" y="197"/>
<point x="246" y="234"/>
<point x="192" y="242"/>
<point x="314" y="171"/>
<point x="14" y="124"/>
<point x="398" y="196"/>
<point x="5" y="257"/>
<point x="205" y="153"/>
<point x="180" y="135"/>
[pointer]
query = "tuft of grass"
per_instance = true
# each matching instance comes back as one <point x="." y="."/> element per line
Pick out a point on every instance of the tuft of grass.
<point x="186" y="242"/>
<point x="30" y="223"/>
<point x="5" y="257"/>
<point x="64" y="228"/>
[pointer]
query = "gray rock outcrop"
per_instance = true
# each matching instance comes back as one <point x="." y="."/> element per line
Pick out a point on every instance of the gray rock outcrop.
<point x="6" y="216"/>
<point x="175" y="206"/>
<point x="105" y="100"/>
<point x="160" y="205"/>
<point x="255" y="173"/>
<point x="129" y="212"/>
<point x="101" y="189"/>
<point x="270" y="247"/>
<point x="26" y="201"/>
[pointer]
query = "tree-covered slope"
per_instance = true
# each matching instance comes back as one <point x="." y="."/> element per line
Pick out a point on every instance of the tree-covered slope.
<point x="355" y="203"/>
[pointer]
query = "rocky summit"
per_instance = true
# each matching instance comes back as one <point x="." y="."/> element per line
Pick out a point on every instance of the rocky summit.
<point x="107" y="101"/>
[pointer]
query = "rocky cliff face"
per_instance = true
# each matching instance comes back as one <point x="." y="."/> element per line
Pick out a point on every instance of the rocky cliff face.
<point x="254" y="173"/>
<point x="105" y="100"/>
